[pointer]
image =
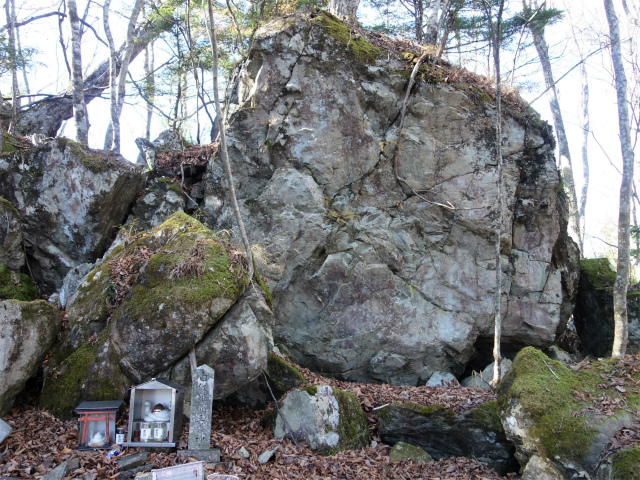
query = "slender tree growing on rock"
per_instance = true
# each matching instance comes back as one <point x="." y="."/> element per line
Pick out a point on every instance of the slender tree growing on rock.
<point x="620" y="320"/>
<point x="79" y="107"/>
<point x="496" y="35"/>
<point x="223" y="141"/>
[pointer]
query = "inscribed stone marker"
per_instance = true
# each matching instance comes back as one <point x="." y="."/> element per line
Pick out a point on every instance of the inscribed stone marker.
<point x="201" y="404"/>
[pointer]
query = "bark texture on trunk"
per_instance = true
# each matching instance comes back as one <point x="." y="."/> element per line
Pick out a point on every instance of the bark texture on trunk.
<point x="113" y="72"/>
<point x="621" y="328"/>
<point x="565" y="156"/>
<point x="77" y="82"/>
<point x="46" y="116"/>
<point x="584" y="122"/>
<point x="344" y="9"/>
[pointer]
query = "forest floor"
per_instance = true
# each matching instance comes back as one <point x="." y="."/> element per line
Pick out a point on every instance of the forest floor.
<point x="39" y="442"/>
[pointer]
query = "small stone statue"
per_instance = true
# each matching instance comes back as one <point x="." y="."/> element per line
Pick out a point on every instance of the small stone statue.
<point x="159" y="413"/>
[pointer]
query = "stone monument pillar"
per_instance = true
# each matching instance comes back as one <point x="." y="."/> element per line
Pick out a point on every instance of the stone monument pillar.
<point x="200" y="421"/>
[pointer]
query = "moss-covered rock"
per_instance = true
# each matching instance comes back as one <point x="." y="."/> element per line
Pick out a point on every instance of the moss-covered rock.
<point x="329" y="420"/>
<point x="17" y="286"/>
<point x="443" y="433"/>
<point x="593" y="314"/>
<point x="625" y="464"/>
<point x="401" y="451"/>
<point x="545" y="408"/>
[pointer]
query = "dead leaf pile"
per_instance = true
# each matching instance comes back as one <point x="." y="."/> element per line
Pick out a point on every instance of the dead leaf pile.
<point x="193" y="263"/>
<point x="124" y="270"/>
<point x="195" y="155"/>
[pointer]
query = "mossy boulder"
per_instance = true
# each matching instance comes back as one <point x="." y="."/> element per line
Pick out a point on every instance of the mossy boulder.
<point x="401" y="451"/>
<point x="330" y="420"/>
<point x="444" y="433"/>
<point x="11" y="249"/>
<point x="625" y="464"/>
<point x="566" y="417"/>
<point x="593" y="314"/>
<point x="16" y="286"/>
<point x="137" y="314"/>
<point x="28" y="330"/>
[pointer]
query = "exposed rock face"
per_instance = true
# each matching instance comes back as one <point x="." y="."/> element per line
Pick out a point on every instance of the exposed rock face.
<point x="328" y="419"/>
<point x="442" y="433"/>
<point x="70" y="200"/>
<point x="594" y="309"/>
<point x="138" y="314"/>
<point x="373" y="283"/>
<point x="11" y="251"/>
<point x="538" y="394"/>
<point x="28" y="330"/>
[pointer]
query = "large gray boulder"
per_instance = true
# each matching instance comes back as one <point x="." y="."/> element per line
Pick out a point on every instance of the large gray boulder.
<point x="329" y="420"/>
<point x="372" y="282"/>
<point x="443" y="433"/>
<point x="153" y="298"/>
<point x="556" y="416"/>
<point x="28" y="330"/>
<point x="11" y="249"/>
<point x="70" y="200"/>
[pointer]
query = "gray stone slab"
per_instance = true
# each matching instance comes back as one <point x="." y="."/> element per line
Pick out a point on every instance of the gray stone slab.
<point x="132" y="461"/>
<point x="57" y="473"/>
<point x="201" y="404"/>
<point x="211" y="455"/>
<point x="5" y="430"/>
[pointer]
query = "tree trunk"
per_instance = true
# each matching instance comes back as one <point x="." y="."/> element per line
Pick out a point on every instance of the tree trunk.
<point x="79" y="107"/>
<point x="432" y="22"/>
<point x="496" y="35"/>
<point x="113" y="72"/>
<point x="149" y="87"/>
<point x="9" y="9"/>
<point x="621" y="328"/>
<point x="46" y="116"/>
<point x="344" y="9"/>
<point x="565" y="156"/>
<point x="584" y="120"/>
<point x="223" y="142"/>
<point x="122" y="76"/>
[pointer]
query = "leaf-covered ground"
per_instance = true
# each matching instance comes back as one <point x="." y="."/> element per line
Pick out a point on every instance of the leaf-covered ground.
<point x="40" y="442"/>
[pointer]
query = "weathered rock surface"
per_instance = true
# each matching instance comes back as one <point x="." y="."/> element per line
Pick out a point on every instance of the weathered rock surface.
<point x="281" y="378"/>
<point x="622" y="465"/>
<point x="443" y="433"/>
<point x="28" y="330"/>
<point x="70" y="200"/>
<point x="593" y="314"/>
<point x="370" y="282"/>
<point x="138" y="314"/>
<point x="329" y="420"/>
<point x="402" y="450"/>
<point x="539" y="394"/>
<point x="11" y="250"/>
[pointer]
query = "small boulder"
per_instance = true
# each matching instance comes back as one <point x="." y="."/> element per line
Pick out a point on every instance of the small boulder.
<point x="401" y="451"/>
<point x="28" y="330"/>
<point x="561" y="416"/>
<point x="443" y="433"/>
<point x="442" y="379"/>
<point x="622" y="465"/>
<point x="328" y="419"/>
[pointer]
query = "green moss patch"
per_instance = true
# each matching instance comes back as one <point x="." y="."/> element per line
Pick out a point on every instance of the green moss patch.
<point x="626" y="464"/>
<point x="283" y="376"/>
<point x="16" y="286"/>
<point x="556" y="400"/>
<point x="93" y="160"/>
<point x="358" y="46"/>
<point x="486" y="415"/>
<point x="353" y="427"/>
<point x="599" y="271"/>
<point x="310" y="389"/>
<point x="75" y="380"/>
